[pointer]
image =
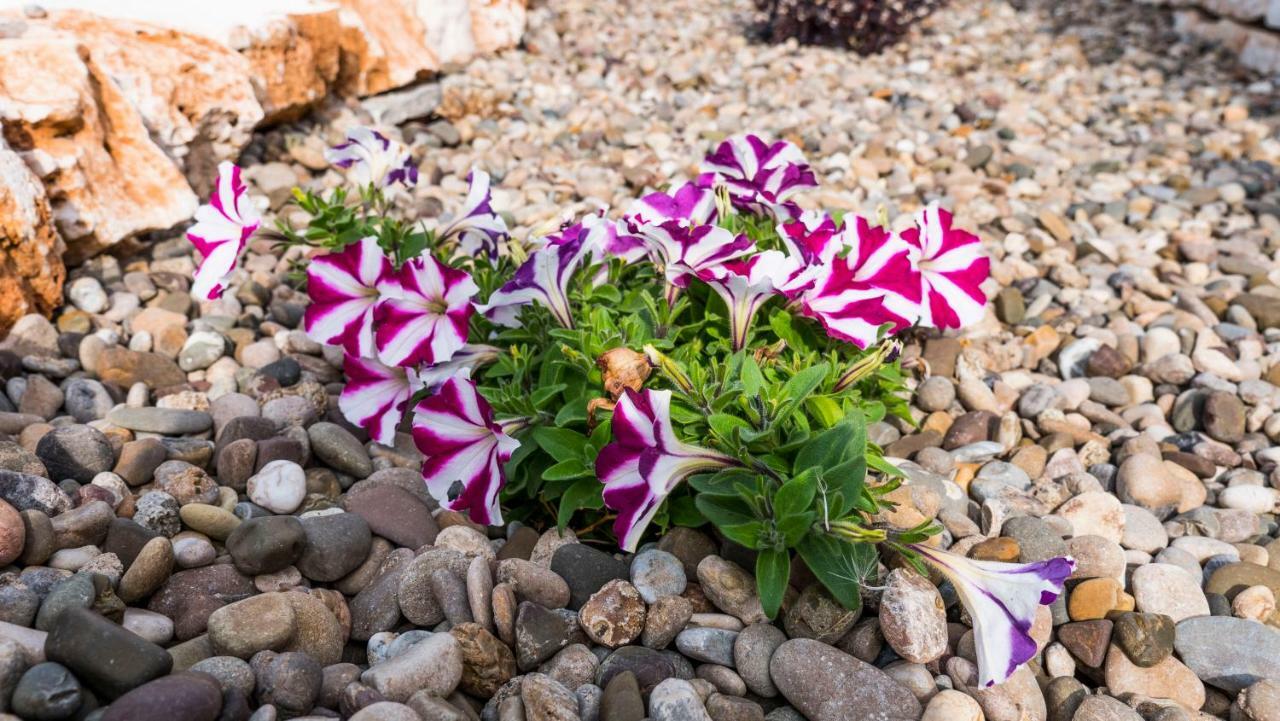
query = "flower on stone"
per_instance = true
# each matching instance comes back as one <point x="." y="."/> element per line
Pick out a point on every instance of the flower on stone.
<point x="543" y="278"/>
<point x="375" y="396"/>
<point x="221" y="231"/>
<point x="1002" y="599"/>
<point x="463" y="450"/>
<point x="686" y="251"/>
<point x="646" y="461"/>
<point x="761" y="177"/>
<point x="463" y="363"/>
<point x="373" y="159"/>
<point x="424" y="314"/>
<point x="478" y="228"/>
<point x="344" y="288"/>
<point x="746" y="283"/>
<point x="952" y="269"/>
<point x="871" y="284"/>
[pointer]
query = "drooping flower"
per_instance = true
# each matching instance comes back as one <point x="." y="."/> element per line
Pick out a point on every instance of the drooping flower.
<point x="543" y="278"/>
<point x="685" y="251"/>
<point x="468" y="358"/>
<point x="478" y="228"/>
<point x="761" y="177"/>
<point x="645" y="462"/>
<point x="375" y="396"/>
<point x="746" y="283"/>
<point x="344" y="288"/>
<point x="952" y="269"/>
<point x="423" y="318"/>
<point x="221" y="231"/>
<point x="813" y="237"/>
<point x="872" y="284"/>
<point x="373" y="158"/>
<point x="463" y="450"/>
<point x="1001" y="599"/>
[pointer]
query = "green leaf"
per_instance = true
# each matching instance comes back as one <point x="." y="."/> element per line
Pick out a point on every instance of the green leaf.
<point x="752" y="378"/>
<point x="586" y="493"/>
<point x="794" y="527"/>
<point x="561" y="443"/>
<point x="842" y="566"/>
<point x="724" y="424"/>
<point x="724" y="509"/>
<point x="825" y="409"/>
<point x="827" y="449"/>
<point x="684" y="512"/>
<point x="796" y="495"/>
<point x="797" y="389"/>
<point x="773" y="570"/>
<point x="566" y="470"/>
<point x="745" y="534"/>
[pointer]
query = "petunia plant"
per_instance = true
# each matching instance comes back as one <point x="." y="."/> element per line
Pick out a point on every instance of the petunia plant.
<point x="710" y="357"/>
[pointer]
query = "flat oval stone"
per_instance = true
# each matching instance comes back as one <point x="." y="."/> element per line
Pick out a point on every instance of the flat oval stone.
<point x="827" y="684"/>
<point x="107" y="657"/>
<point x="186" y="695"/>
<point x="1229" y="653"/>
<point x="166" y="421"/>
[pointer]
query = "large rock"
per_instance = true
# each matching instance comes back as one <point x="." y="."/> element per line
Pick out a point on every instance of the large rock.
<point x="1229" y="653"/>
<point x="826" y="684"/>
<point x="31" y="270"/>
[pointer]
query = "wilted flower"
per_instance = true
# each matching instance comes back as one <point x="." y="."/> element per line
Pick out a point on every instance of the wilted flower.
<point x="746" y="283"/>
<point x="952" y="269"/>
<point x="221" y="231"/>
<point x="424" y="317"/>
<point x="463" y="449"/>
<point x="623" y="368"/>
<point x="1002" y="599"/>
<point x="478" y="228"/>
<point x="543" y="278"/>
<point x="373" y="158"/>
<point x="645" y="462"/>
<point x="761" y="177"/>
<point x="344" y="288"/>
<point x="375" y="396"/>
<point x="685" y="251"/>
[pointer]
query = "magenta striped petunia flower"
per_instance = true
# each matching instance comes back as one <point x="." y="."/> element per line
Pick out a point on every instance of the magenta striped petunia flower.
<point x="375" y="396"/>
<point x="872" y="282"/>
<point x="952" y="269"/>
<point x="373" y="159"/>
<point x="423" y="315"/>
<point x="344" y="288"/>
<point x="746" y="283"/>
<point x="684" y="251"/>
<point x="1002" y="599"/>
<point x="762" y="178"/>
<point x="463" y="363"/>
<point x="543" y="278"/>
<point x="479" y="230"/>
<point x="813" y="237"/>
<point x="463" y="450"/>
<point x="221" y="232"/>
<point x="645" y="462"/>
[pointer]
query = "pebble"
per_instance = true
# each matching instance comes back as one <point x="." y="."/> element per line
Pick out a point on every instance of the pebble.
<point x="279" y="486"/>
<point x="103" y="655"/>
<point x="433" y="665"/>
<point x="826" y="684"/>
<point x="912" y="617"/>
<point x="614" y="615"/>
<point x="1228" y="653"/>
<point x="46" y="691"/>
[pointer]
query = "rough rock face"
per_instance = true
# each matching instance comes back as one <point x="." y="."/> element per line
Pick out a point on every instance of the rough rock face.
<point x="31" y="270"/>
<point x="1249" y="28"/>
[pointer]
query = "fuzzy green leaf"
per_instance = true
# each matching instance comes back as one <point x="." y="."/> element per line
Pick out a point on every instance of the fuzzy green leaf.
<point x="773" y="570"/>
<point x="842" y="566"/>
<point x="561" y="444"/>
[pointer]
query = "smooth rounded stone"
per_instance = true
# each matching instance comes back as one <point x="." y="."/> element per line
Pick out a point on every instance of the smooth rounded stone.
<point x="46" y="692"/>
<point x="290" y="681"/>
<point x="1146" y="638"/>
<point x="913" y="617"/>
<point x="656" y="574"/>
<point x="541" y="632"/>
<point x="259" y="623"/>
<point x="614" y="615"/>
<point x="32" y="493"/>
<point x="376" y="607"/>
<point x="1168" y="590"/>
<point x="1062" y="697"/>
<point x="76" y="452"/>
<point x="450" y="591"/>
<point x="586" y="570"/>
<point x="154" y="627"/>
<point x="1037" y="541"/>
<point x="676" y="700"/>
<point x="415" y="595"/>
<point x="279" y="487"/>
<point x="730" y="589"/>
<point x="18" y="604"/>
<point x="266" y="545"/>
<point x="1094" y="513"/>
<point x="40" y="397"/>
<point x="184" y="695"/>
<point x="572" y="666"/>
<point x="1228" y="653"/>
<point x="14" y="457"/>
<point x="1005" y="474"/>
<point x="165" y="421"/>
<point x="709" y="645"/>
<point x="386" y="711"/>
<point x="188" y="597"/>
<point x="1018" y="698"/>
<point x="1223" y="417"/>
<point x="487" y="663"/>
<point x="622" y="700"/>
<point x="13" y="534"/>
<point x="1104" y="708"/>
<point x="1169" y="678"/>
<point x="103" y="655"/>
<point x="83" y="526"/>
<point x="290" y="411"/>
<point x="689" y="545"/>
<point x="1256" y="602"/>
<point x="335" y="678"/>
<point x="86" y="399"/>
<point x="1145" y="481"/>
<point x="1142" y="530"/>
<point x="818" y="615"/>
<point x="150" y="569"/>
<point x="534" y="583"/>
<point x="76" y="591"/>
<point x="139" y="460"/>
<point x="336" y="545"/>
<point x="356" y="581"/>
<point x="1261" y="701"/>
<point x="1096" y="557"/>
<point x="1088" y="641"/>
<point x="192" y="550"/>
<point x="479" y="592"/>
<point x="1254" y="499"/>
<point x="752" y="650"/>
<point x="935" y="393"/>
<point x="665" y="619"/>
<point x="826" y="684"/>
<point x="936" y="460"/>
<point x="950" y="705"/>
<point x="434" y="665"/>
<point x="394" y="514"/>
<point x="650" y="667"/>
<point x="338" y="449"/>
<point x="214" y="522"/>
<point x="1108" y="392"/>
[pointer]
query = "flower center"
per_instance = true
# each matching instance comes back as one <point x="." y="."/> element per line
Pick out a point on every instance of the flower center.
<point x="437" y="306"/>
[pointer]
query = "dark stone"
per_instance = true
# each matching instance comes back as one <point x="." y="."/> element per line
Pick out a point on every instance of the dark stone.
<point x="280" y="448"/>
<point x="76" y="452"/>
<point x="622" y="700"/>
<point x="520" y="545"/>
<point x="254" y="428"/>
<point x="393" y="513"/>
<point x="103" y="655"/>
<point x="266" y="545"/>
<point x="189" y="597"/>
<point x="1146" y="638"/>
<point x="586" y="570"/>
<point x="650" y="667"/>
<point x="376" y="607"/>
<point x="1087" y="640"/>
<point x="186" y="695"/>
<point x="971" y="427"/>
<point x="286" y="371"/>
<point x="541" y="632"/>
<point x="1107" y="362"/>
<point x="336" y="545"/>
<point x="26" y="492"/>
<point x="125" y="538"/>
<point x="290" y="681"/>
<point x="46" y="692"/>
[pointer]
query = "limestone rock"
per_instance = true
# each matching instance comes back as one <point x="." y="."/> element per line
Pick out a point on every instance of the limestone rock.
<point x="31" y="270"/>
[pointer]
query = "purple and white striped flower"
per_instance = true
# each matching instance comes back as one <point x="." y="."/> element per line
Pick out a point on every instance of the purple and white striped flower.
<point x="344" y="288"/>
<point x="373" y="159"/>
<point x="221" y="231"/>
<point x="645" y="462"/>
<point x="692" y="203"/>
<point x="761" y="177"/>
<point x="872" y="284"/>
<point x="1002" y="599"/>
<point x="952" y="269"/>
<point x="543" y="278"/>
<point x="375" y="396"/>
<point x="424" y="316"/>
<point x="478" y="228"/>
<point x="463" y="450"/>
<point x="463" y="363"/>
<point x="686" y="251"/>
<point x="813" y="237"/>
<point x="745" y="284"/>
